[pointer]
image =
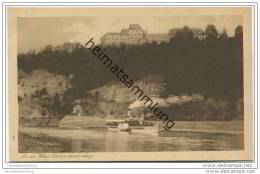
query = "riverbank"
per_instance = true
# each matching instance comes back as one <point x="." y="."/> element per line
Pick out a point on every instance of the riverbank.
<point x="31" y="143"/>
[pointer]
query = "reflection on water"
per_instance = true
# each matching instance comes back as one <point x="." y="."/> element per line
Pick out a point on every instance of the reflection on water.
<point x="59" y="140"/>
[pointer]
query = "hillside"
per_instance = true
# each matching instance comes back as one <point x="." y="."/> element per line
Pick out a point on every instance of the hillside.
<point x="182" y="69"/>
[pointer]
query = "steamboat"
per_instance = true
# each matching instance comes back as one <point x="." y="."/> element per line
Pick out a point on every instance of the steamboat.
<point x="144" y="123"/>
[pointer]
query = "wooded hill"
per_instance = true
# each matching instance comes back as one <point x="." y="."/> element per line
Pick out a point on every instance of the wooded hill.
<point x="212" y="67"/>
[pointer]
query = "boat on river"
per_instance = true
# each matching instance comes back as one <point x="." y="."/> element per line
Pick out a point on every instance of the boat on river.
<point x="133" y="125"/>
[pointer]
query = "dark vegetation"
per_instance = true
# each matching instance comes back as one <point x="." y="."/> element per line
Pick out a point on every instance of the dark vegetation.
<point x="212" y="67"/>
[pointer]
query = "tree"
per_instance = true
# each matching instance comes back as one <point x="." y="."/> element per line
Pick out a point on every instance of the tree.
<point x="239" y="60"/>
<point x="48" y="49"/>
<point x="184" y="34"/>
<point x="224" y="35"/>
<point x="187" y="32"/>
<point x="172" y="32"/>
<point x="239" y="32"/>
<point x="56" y="105"/>
<point x="211" y="32"/>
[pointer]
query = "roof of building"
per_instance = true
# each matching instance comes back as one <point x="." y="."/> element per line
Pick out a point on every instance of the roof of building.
<point x="197" y="31"/>
<point x="135" y="27"/>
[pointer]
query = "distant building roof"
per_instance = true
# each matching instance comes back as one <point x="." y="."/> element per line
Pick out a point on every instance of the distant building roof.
<point x="198" y="31"/>
<point x="135" y="27"/>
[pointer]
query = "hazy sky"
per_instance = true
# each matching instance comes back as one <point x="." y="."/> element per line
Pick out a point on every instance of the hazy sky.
<point x="35" y="33"/>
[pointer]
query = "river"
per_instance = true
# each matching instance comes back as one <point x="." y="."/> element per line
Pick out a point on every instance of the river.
<point x="187" y="136"/>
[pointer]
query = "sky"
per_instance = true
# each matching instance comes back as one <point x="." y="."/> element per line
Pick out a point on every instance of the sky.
<point x="34" y="33"/>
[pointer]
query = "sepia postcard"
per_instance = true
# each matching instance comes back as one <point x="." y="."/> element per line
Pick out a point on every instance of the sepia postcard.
<point x="130" y="84"/>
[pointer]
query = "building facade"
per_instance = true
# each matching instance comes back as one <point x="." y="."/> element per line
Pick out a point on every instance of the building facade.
<point x="199" y="33"/>
<point x="134" y="35"/>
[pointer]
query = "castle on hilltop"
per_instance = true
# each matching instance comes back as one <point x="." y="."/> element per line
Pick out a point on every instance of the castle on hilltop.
<point x="135" y="35"/>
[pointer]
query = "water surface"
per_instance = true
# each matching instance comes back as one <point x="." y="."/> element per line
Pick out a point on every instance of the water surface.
<point x="33" y="139"/>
